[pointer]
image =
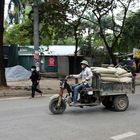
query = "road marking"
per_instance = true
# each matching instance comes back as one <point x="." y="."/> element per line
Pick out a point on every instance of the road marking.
<point x="123" y="136"/>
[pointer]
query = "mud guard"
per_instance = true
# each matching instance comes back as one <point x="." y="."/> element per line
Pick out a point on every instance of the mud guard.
<point x="54" y="96"/>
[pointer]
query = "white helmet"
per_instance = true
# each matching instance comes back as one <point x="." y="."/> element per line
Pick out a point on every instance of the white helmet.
<point x="85" y="62"/>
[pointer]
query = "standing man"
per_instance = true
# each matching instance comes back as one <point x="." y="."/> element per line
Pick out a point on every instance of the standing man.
<point x="35" y="78"/>
<point x="86" y="76"/>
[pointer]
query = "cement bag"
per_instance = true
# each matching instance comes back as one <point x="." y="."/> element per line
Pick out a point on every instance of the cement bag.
<point x="125" y="79"/>
<point x="112" y="68"/>
<point x="96" y="68"/>
<point x="111" y="75"/>
<point x="128" y="74"/>
<point x="103" y="70"/>
<point x="110" y="79"/>
<point x="92" y="68"/>
<point x="120" y="71"/>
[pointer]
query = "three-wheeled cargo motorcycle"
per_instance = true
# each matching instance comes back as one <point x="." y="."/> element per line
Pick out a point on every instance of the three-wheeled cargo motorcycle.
<point x="113" y="95"/>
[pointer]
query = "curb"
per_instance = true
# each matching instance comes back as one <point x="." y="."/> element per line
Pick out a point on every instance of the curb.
<point x="18" y="91"/>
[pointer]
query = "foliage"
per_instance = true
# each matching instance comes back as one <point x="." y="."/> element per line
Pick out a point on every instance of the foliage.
<point x="64" y="21"/>
<point x="20" y="34"/>
<point x="100" y="8"/>
<point x="93" y="40"/>
<point x="90" y="44"/>
<point x="131" y="34"/>
<point x="53" y="30"/>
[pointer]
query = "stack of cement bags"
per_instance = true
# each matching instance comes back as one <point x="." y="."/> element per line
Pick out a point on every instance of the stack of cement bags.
<point x="112" y="74"/>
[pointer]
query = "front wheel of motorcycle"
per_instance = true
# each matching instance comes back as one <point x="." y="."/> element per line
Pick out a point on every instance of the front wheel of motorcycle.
<point x="54" y="108"/>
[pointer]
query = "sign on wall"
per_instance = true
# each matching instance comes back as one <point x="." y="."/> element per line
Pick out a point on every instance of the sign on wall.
<point x="51" y="61"/>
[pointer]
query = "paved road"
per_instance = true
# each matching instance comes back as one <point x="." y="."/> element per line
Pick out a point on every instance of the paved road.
<point x="30" y="119"/>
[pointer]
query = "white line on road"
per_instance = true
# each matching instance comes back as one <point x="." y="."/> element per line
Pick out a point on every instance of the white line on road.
<point x="124" y="135"/>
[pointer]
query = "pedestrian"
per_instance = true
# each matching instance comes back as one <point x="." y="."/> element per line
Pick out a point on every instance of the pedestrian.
<point x="35" y="78"/>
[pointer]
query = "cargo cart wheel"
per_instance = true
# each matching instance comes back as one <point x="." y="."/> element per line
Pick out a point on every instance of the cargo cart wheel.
<point x="54" y="108"/>
<point x="121" y="103"/>
<point x="107" y="103"/>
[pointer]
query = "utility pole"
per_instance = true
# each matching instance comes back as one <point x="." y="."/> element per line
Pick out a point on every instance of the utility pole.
<point x="36" y="25"/>
<point x="36" y="34"/>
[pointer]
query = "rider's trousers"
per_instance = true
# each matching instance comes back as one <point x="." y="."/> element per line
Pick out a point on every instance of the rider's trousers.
<point x="76" y="89"/>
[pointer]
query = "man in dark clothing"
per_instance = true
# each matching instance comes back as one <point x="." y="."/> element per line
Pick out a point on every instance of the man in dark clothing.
<point x="35" y="77"/>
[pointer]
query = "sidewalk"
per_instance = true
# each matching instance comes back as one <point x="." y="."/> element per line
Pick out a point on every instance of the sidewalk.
<point x="23" y="88"/>
<point x="47" y="85"/>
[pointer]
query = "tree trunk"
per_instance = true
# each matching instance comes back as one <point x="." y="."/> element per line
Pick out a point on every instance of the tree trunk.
<point x="109" y="49"/>
<point x="113" y="58"/>
<point x="2" y="67"/>
<point x="75" y="54"/>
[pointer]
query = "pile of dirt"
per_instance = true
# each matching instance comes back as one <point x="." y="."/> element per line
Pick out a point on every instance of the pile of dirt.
<point x="17" y="73"/>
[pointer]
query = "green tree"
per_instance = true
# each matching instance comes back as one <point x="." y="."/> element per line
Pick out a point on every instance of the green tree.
<point x="52" y="23"/>
<point x="52" y="29"/>
<point x="75" y="12"/>
<point x="100" y="9"/>
<point x="92" y="40"/>
<point x="19" y="34"/>
<point x="63" y="22"/>
<point x="65" y="19"/>
<point x="131" y="34"/>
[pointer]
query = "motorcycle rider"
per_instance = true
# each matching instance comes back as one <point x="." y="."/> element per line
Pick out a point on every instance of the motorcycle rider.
<point x="86" y="76"/>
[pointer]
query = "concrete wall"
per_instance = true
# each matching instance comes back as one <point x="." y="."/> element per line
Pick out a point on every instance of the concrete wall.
<point x="63" y="65"/>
